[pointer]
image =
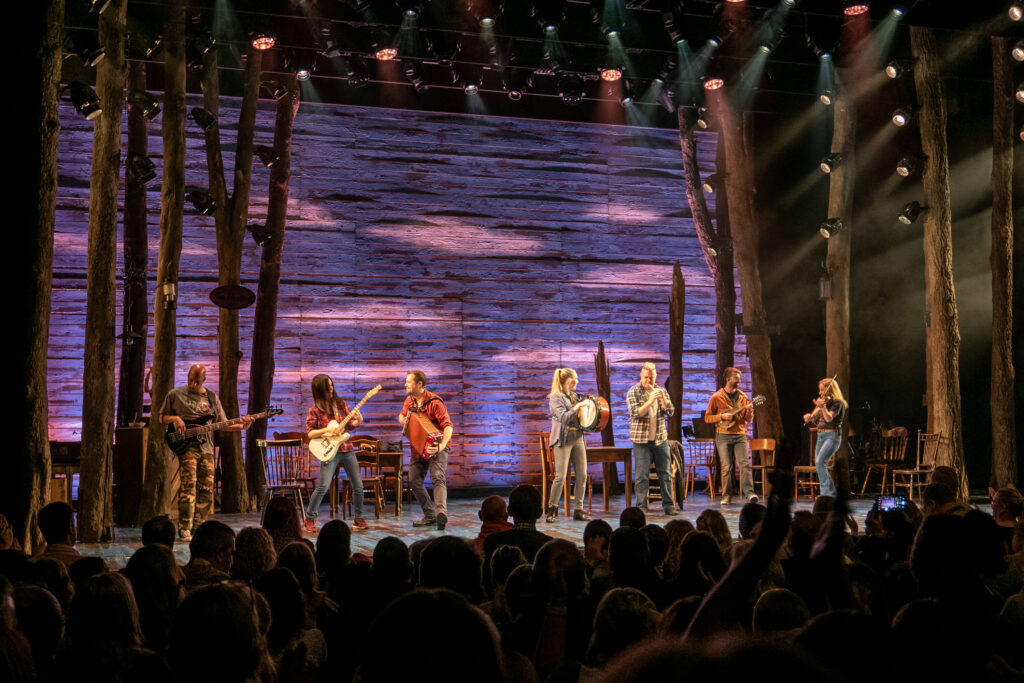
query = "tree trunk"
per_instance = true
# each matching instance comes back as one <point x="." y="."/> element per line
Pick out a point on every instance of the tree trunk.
<point x="739" y="183"/>
<point x="609" y="470"/>
<point x="261" y="368"/>
<point x="676" y="319"/>
<point x="716" y="248"/>
<point x="725" y="283"/>
<point x="95" y="504"/>
<point x="160" y="464"/>
<point x="135" y="313"/>
<point x="1004" y="431"/>
<point x="942" y="331"/>
<point x="26" y="461"/>
<point x="231" y="215"/>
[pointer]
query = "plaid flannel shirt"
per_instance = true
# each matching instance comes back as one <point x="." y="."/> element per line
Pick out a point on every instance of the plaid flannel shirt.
<point x="640" y="425"/>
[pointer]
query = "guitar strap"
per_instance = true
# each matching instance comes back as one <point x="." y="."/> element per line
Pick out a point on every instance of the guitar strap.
<point x="414" y="409"/>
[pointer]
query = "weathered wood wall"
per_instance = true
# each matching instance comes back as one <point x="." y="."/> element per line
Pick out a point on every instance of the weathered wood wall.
<point x="485" y="251"/>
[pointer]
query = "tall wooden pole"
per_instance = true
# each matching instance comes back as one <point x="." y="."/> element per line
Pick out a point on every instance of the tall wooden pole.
<point x="160" y="464"/>
<point x="609" y="471"/>
<point x="676" y="319"/>
<point x="261" y="370"/>
<point x="26" y="459"/>
<point x="95" y="504"/>
<point x="1004" y="431"/>
<point x="942" y="330"/>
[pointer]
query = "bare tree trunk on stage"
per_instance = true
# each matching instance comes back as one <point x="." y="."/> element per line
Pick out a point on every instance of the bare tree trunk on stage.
<point x="1004" y="431"/>
<point x="160" y="463"/>
<point x="739" y="183"/>
<point x="135" y="313"/>
<point x="609" y="470"/>
<point x="942" y="331"/>
<point x="26" y="460"/>
<point x="676" y="319"/>
<point x="231" y="214"/>
<point x="717" y="250"/>
<point x="725" y="283"/>
<point x="261" y="368"/>
<point x="95" y="503"/>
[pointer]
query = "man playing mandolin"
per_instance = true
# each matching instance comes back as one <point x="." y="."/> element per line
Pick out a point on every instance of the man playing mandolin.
<point x="433" y="458"/>
<point x="193" y="404"/>
<point x="730" y="410"/>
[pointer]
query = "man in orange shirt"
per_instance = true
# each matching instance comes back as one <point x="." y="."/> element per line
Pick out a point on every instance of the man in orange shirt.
<point x="730" y="410"/>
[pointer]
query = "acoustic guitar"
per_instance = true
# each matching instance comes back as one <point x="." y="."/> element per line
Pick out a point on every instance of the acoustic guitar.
<point x="728" y="416"/>
<point x="326" y="447"/>
<point x="179" y="443"/>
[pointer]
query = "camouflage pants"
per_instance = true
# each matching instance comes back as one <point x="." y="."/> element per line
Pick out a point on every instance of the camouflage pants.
<point x="195" y="495"/>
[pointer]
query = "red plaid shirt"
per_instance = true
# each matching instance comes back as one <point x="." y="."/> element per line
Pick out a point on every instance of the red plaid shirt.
<point x="435" y="410"/>
<point x="318" y="419"/>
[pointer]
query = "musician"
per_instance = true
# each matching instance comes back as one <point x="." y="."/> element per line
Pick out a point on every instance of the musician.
<point x="649" y="405"/>
<point x="827" y="416"/>
<point x="567" y="443"/>
<point x="188" y="404"/>
<point x="327" y="406"/>
<point x="435" y="458"/>
<point x="731" y="439"/>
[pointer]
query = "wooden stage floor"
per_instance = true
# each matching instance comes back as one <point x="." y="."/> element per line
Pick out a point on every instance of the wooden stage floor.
<point x="462" y="522"/>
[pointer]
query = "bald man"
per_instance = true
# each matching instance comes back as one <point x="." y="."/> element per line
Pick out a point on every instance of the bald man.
<point x="188" y="404"/>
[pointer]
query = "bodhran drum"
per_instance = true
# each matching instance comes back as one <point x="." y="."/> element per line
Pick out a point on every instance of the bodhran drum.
<point x="592" y="413"/>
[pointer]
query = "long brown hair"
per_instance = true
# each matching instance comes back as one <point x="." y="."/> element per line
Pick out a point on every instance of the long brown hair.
<point x="324" y="396"/>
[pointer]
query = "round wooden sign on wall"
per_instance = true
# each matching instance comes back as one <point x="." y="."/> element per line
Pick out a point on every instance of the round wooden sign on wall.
<point x="233" y="297"/>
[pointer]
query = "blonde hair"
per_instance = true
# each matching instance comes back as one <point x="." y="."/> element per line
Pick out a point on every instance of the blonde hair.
<point x="559" y="378"/>
<point x="649" y="366"/>
<point x="833" y="388"/>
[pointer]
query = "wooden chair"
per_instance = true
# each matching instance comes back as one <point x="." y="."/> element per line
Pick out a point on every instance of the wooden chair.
<point x="308" y="470"/>
<point x="894" y="447"/>
<point x="394" y="476"/>
<point x="281" y="463"/>
<point x="806" y="476"/>
<point x="765" y="451"/>
<point x="927" y="449"/>
<point x="547" y="464"/>
<point x="700" y="454"/>
<point x="367" y="449"/>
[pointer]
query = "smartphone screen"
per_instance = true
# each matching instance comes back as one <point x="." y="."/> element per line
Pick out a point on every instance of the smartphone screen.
<point x="890" y="502"/>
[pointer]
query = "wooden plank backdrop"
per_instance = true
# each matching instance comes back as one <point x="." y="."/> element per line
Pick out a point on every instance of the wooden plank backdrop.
<point x="485" y="251"/>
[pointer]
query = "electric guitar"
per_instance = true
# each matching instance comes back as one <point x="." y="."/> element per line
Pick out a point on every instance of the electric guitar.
<point x="179" y="443"/>
<point x="728" y="416"/>
<point x="326" y="447"/>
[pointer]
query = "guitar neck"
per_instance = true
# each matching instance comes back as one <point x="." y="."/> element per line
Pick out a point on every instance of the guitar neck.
<point x="370" y="394"/>
<point x="203" y="429"/>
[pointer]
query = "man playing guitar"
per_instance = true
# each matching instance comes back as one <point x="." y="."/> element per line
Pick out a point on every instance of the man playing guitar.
<point x="191" y="403"/>
<point x="432" y="459"/>
<point x="729" y="410"/>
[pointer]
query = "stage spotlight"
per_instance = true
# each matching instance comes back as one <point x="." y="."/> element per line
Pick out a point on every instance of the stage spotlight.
<point x="910" y="212"/>
<point x="896" y="68"/>
<point x="203" y="118"/>
<point x="703" y="118"/>
<point x="853" y="9"/>
<point x="827" y="97"/>
<point x="611" y="74"/>
<point x="1016" y="11"/>
<point x="901" y="116"/>
<point x="146" y="102"/>
<point x="765" y="47"/>
<point x="1020" y="92"/>
<point x="487" y="22"/>
<point x="386" y="54"/>
<point x="831" y="162"/>
<point x="85" y="100"/>
<point x="830" y="227"/>
<point x="909" y="165"/>
<point x="414" y="73"/>
<point x="472" y="89"/>
<point x="1018" y="51"/>
<point x="263" y="40"/>
<point x="714" y="83"/>
<point x="267" y="155"/>
<point x="356" y="72"/>
<point x="711" y="183"/>
<point x="202" y="202"/>
<point x="571" y="89"/>
<point x="260" y="233"/>
<point x="898" y="12"/>
<point x="140" y="168"/>
<point x="303" y="74"/>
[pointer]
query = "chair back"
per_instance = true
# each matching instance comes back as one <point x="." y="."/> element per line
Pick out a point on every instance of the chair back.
<point x="698" y="451"/>
<point x="927" y="449"/>
<point x="367" y="449"/>
<point x="547" y="457"/>
<point x="308" y="466"/>
<point x="282" y="460"/>
<point x="894" y="444"/>
<point x="765" y="448"/>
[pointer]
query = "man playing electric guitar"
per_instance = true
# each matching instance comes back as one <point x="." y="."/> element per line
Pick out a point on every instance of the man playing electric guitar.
<point x="435" y="457"/>
<point x="729" y="410"/>
<point x="189" y="405"/>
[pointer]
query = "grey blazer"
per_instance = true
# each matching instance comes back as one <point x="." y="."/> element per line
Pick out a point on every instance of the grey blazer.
<point x="564" y="428"/>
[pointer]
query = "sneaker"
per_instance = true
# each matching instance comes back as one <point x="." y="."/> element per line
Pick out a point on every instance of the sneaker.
<point x="670" y="511"/>
<point x="360" y="523"/>
<point x="442" y="521"/>
<point x="185" y="534"/>
<point x="580" y="516"/>
<point x="310" y="525"/>
<point x="426" y="521"/>
<point x="726" y="500"/>
<point x="752" y="499"/>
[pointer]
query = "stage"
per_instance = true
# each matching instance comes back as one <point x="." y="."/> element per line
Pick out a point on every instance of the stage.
<point x="462" y="522"/>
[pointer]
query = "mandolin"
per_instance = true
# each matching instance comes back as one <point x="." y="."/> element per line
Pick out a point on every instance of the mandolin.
<point x="728" y="416"/>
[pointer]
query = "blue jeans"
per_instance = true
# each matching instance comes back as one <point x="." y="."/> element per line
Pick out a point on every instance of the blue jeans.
<point x="346" y="459"/>
<point x="732" y="452"/>
<point x="418" y="470"/>
<point x="828" y="444"/>
<point x="643" y="453"/>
